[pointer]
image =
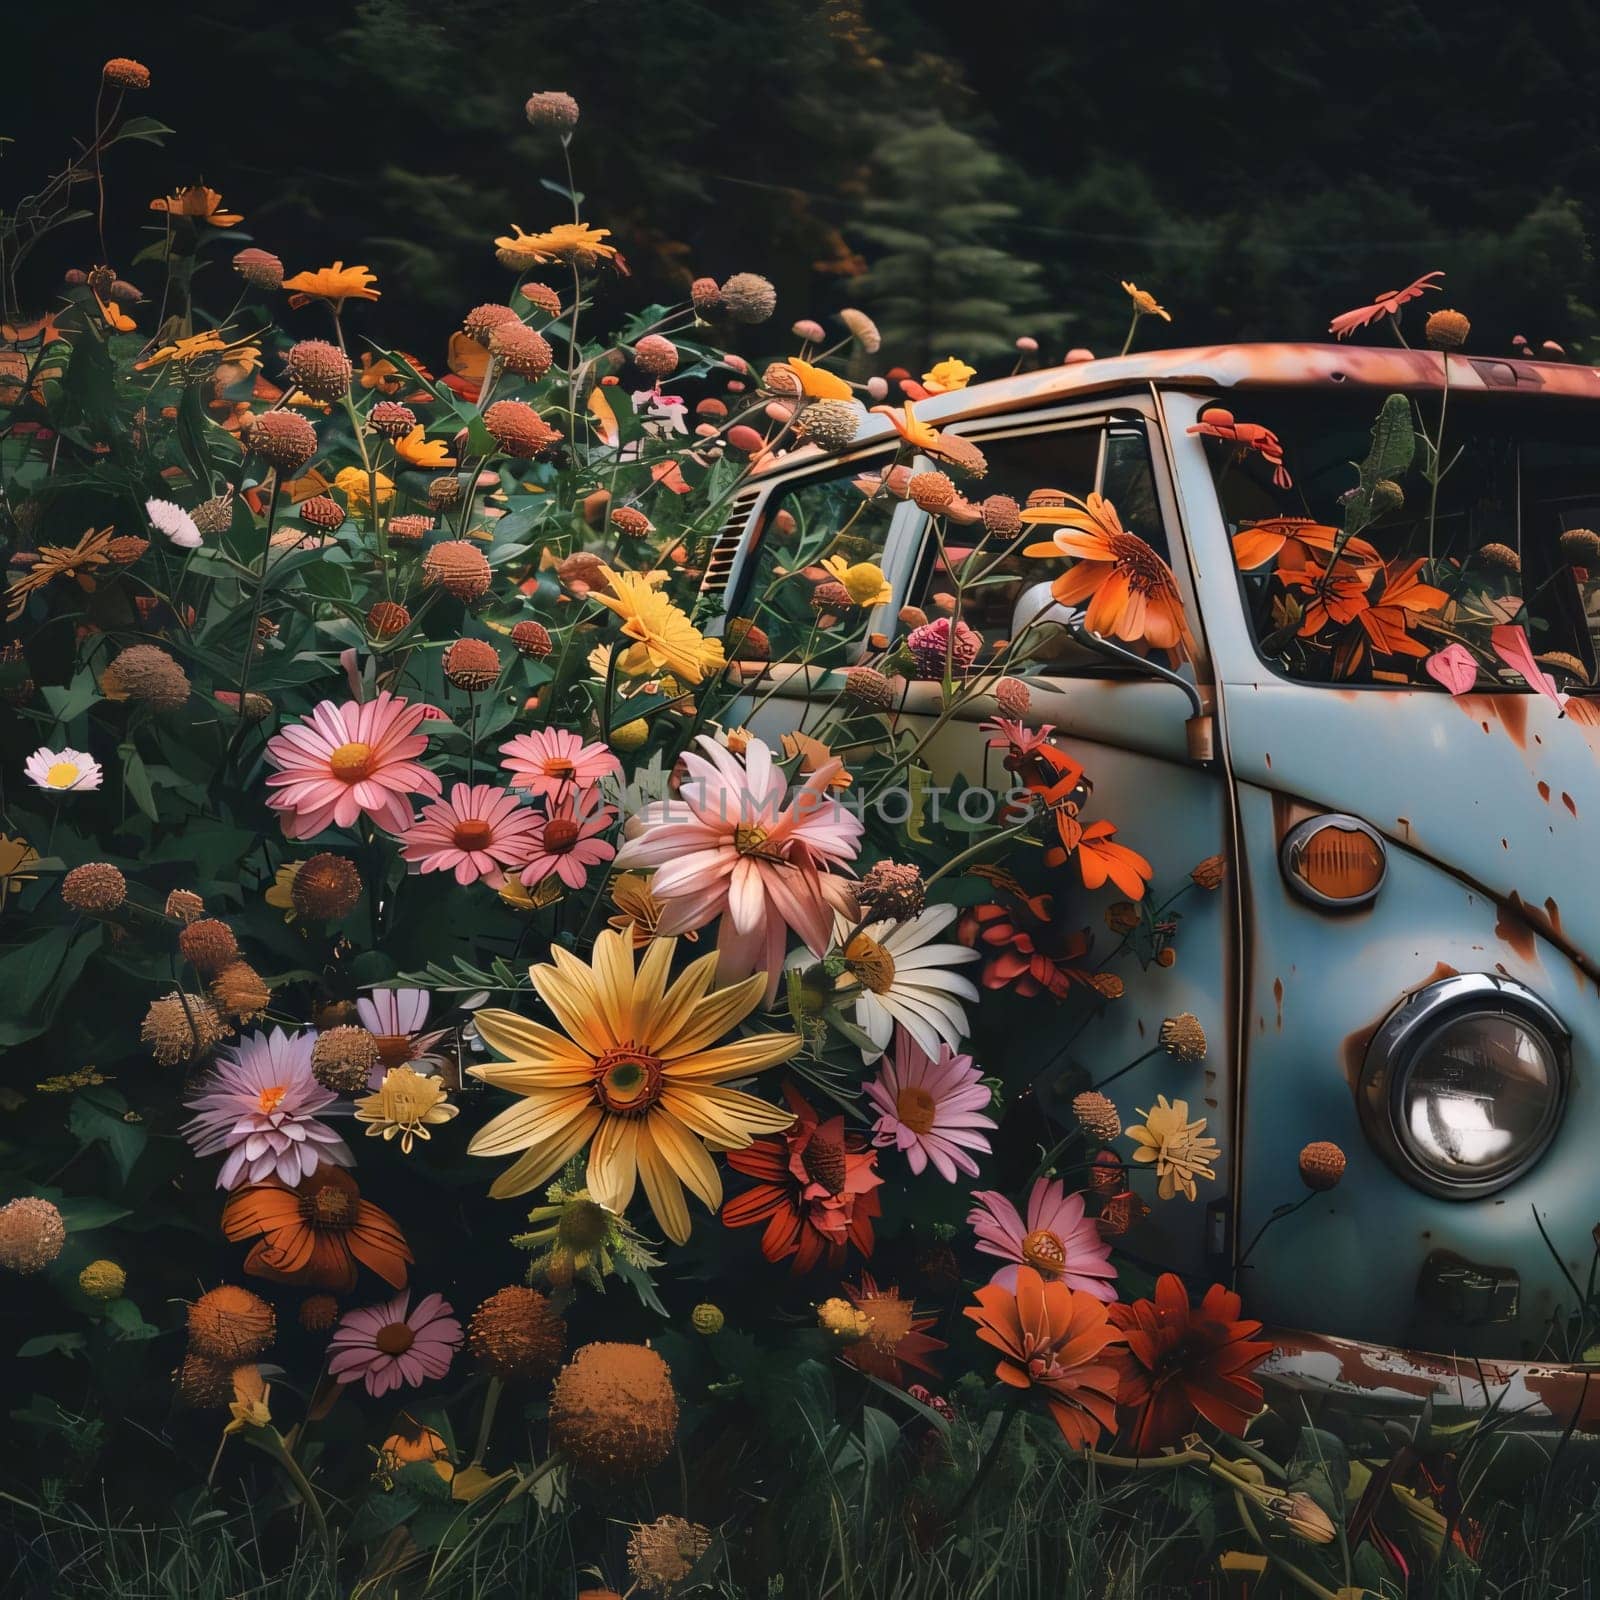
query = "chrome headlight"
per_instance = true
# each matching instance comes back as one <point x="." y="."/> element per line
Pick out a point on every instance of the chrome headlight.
<point x="1464" y="1084"/>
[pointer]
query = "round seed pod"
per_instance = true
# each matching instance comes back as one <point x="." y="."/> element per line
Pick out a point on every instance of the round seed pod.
<point x="655" y="356"/>
<point x="32" y="1234"/>
<point x="323" y="512"/>
<point x="458" y="567"/>
<point x="543" y="296"/>
<point x="184" y="905"/>
<point x="482" y="320"/>
<point x="123" y="72"/>
<point x="241" y="992"/>
<point x="613" y="1412"/>
<point x="705" y="296"/>
<point x="145" y="672"/>
<point x="829" y="424"/>
<point x="391" y="420"/>
<point x="519" y="430"/>
<point x="932" y="491"/>
<point x="412" y="529"/>
<point x="472" y="664"/>
<point x="1183" y="1038"/>
<point x="259" y="268"/>
<point x="516" y="1333"/>
<point x="209" y="945"/>
<point x="96" y="886"/>
<point x="344" y="1058"/>
<point x="103" y="1280"/>
<point x="181" y="1027"/>
<point x="749" y="298"/>
<point x="550" y="108"/>
<point x="321" y="369"/>
<point x="1097" y="1115"/>
<point x="319" y="1312"/>
<point x="532" y="639"/>
<point x="203" y="1384"/>
<point x="522" y="352"/>
<point x="387" y="618"/>
<point x="283" y="439"/>
<point x="1322" y="1165"/>
<point x="230" y="1324"/>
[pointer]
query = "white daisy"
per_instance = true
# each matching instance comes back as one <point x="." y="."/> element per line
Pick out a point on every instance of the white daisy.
<point x="63" y="769"/>
<point x="894" y="974"/>
<point x="175" y="522"/>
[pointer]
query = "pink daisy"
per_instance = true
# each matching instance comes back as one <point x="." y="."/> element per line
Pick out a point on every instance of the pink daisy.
<point x="557" y="763"/>
<point x="480" y="830"/>
<point x="347" y="760"/>
<point x="260" y="1106"/>
<point x="736" y="844"/>
<point x="397" y="1018"/>
<point x="388" y="1345"/>
<point x="932" y="1110"/>
<point x="1058" y="1241"/>
<point x="568" y="845"/>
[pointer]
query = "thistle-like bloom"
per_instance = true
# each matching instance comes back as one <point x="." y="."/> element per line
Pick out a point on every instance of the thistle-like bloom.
<point x="261" y="1105"/>
<point x="736" y="844"/>
<point x="932" y="1108"/>
<point x="391" y="1344"/>
<point x="348" y="761"/>
<point x="1058" y="1241"/>
<point x="636" y="1070"/>
<point x="477" y="833"/>
<point x="557" y="763"/>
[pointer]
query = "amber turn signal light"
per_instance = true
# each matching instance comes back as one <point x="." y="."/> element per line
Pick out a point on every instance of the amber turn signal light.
<point x="1334" y="861"/>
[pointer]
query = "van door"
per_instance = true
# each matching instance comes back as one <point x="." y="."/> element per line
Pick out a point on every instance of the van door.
<point x="1128" y="731"/>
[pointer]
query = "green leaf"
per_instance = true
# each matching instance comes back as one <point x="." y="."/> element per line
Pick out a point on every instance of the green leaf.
<point x="85" y="1213"/>
<point x="97" y="1117"/>
<point x="137" y="781"/>
<point x="73" y="699"/>
<point x="36" y="977"/>
<point x="144" y="128"/>
<point x="123" y="1315"/>
<point x="49" y="1344"/>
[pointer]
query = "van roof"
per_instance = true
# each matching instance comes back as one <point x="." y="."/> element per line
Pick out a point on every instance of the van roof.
<point x="1236" y="366"/>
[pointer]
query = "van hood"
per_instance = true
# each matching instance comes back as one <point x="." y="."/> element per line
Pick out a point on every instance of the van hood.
<point x="1502" y="790"/>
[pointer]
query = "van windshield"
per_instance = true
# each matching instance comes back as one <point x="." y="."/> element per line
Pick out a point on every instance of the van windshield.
<point x="1361" y="566"/>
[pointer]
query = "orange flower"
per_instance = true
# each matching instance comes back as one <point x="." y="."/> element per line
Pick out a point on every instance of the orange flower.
<point x="1385" y="305"/>
<point x="418" y="450"/>
<point x="199" y="203"/>
<point x="335" y="284"/>
<point x="1218" y="423"/>
<point x="315" y="1233"/>
<point x="1256" y="544"/>
<point x="1131" y="591"/>
<point x="1053" y="1338"/>
<point x="1384" y="625"/>
<point x="78" y="562"/>
<point x="1338" y="596"/>
<point x="894" y="1337"/>
<point x="1100" y="857"/>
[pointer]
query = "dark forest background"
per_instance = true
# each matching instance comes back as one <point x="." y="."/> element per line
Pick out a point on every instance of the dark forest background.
<point x="968" y="172"/>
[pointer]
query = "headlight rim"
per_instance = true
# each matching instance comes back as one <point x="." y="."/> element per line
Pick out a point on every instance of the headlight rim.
<point x="1394" y="1048"/>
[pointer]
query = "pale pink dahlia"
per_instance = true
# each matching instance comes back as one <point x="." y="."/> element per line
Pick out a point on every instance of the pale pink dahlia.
<point x="738" y="845"/>
<point x="567" y="843"/>
<point x="478" y="832"/>
<point x="260" y="1105"/>
<point x="1058" y="1241"/>
<point x="931" y="1109"/>
<point x="397" y="1019"/>
<point x="347" y="760"/>
<point x="556" y="763"/>
<point x="387" y="1345"/>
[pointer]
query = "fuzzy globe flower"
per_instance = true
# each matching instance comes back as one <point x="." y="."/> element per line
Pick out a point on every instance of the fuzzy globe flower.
<point x="1058" y="1241"/>
<point x="931" y="1108"/>
<point x="477" y="833"/>
<point x="556" y="763"/>
<point x="32" y="1234"/>
<point x="260" y="1105"/>
<point x="348" y="761"/>
<point x="385" y="1346"/>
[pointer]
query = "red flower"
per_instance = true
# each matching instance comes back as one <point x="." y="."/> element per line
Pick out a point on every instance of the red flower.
<point x="1010" y="940"/>
<point x="894" y="1338"/>
<point x="815" y="1190"/>
<point x="1385" y="305"/>
<point x="1181" y="1360"/>
<point x="1218" y="423"/>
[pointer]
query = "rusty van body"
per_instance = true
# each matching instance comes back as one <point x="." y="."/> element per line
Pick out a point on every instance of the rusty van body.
<point x="1440" y="1025"/>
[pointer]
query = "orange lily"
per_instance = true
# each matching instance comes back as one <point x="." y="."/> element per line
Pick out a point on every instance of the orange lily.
<point x="1255" y="545"/>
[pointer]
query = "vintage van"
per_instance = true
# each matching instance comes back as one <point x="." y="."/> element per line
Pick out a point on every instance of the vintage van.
<point x="1404" y="956"/>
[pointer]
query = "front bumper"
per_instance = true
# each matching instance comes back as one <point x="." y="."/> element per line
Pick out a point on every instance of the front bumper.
<point x="1531" y="1396"/>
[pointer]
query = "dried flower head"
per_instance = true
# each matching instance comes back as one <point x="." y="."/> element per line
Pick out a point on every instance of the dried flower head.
<point x="892" y="889"/>
<point x="412" y="529"/>
<point x="584" y="571"/>
<point x="32" y="1234"/>
<point x="830" y="598"/>
<point x="1500" y="555"/>
<point x="1002" y="516"/>
<point x="443" y="492"/>
<point x="521" y="351"/>
<point x="209" y="945"/>
<point x="1581" y="545"/>
<point x="532" y="639"/>
<point x="829" y="424"/>
<point x="458" y="567"/>
<point x="707" y="1319"/>
<point x="1447" y="330"/>
<point x="241" y="992"/>
<point x="181" y="1027"/>
<point x="516" y="1333"/>
<point x="1209" y="874"/>
<point x="344" y="1058"/>
<point x="96" y="886"/>
<point x="661" y="1554"/>
<point x="742" y="640"/>
<point x="748" y="297"/>
<point x="126" y="548"/>
<point x="319" y="1312"/>
<point x="868" y="688"/>
<point x="387" y="618"/>
<point x="519" y="430"/>
<point x="543" y="296"/>
<point x="1013" y="697"/>
<point x="326" y="888"/>
<point x="613" y="1412"/>
<point x="321" y="369"/>
<point x="1183" y="1038"/>
<point x="123" y="72"/>
<point x="655" y="355"/>
<point x="1322" y="1165"/>
<point x="145" y="672"/>
<point x="932" y="491"/>
<point x="389" y="419"/>
<point x="283" y="439"/>
<point x="472" y="665"/>
<point x="1097" y="1115"/>
<point x="862" y="329"/>
<point x="551" y="108"/>
<point x="230" y="1324"/>
<point x="706" y="296"/>
<point x="184" y="905"/>
<point x="103" y="1280"/>
<point x="203" y="1384"/>
<point x="259" y="268"/>
<point x="631" y="521"/>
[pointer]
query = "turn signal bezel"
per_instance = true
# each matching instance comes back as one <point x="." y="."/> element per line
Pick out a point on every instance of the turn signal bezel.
<point x="1313" y="880"/>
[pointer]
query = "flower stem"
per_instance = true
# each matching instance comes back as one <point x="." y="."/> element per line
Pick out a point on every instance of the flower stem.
<point x="1014" y="1404"/>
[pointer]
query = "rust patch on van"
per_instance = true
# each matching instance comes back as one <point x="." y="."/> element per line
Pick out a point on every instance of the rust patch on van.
<point x="1353" y="1049"/>
<point x="1512" y="927"/>
<point x="1509" y="710"/>
<point x="1544" y="791"/>
<point x="1277" y="995"/>
<point x="1569" y="802"/>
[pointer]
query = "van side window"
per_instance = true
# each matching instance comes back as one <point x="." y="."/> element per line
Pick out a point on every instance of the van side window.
<point x="804" y="523"/>
<point x="1076" y="459"/>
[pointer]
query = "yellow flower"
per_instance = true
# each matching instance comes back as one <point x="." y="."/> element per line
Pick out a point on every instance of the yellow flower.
<point x="638" y="911"/>
<point x="16" y="856"/>
<point x="818" y="383"/>
<point x="1176" y="1145"/>
<point x="521" y="898"/>
<point x="380" y="373"/>
<point x="864" y="581"/>
<point x="1144" y="303"/>
<point x="404" y="1106"/>
<point x="951" y="373"/>
<point x="357" y="488"/>
<point x="248" y="1408"/>
<point x="813" y="754"/>
<point x="281" y="894"/>
<point x="200" y="203"/>
<point x="335" y="284"/>
<point x="209" y="343"/>
<point x="670" y="640"/>
<point x="637" y="1071"/>
<point x="576" y="242"/>
<point x="419" y="451"/>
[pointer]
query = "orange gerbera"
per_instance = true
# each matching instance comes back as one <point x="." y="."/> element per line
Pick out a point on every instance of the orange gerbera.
<point x="335" y="284"/>
<point x="315" y="1233"/>
<point x="1054" y="1339"/>
<point x="199" y="203"/>
<point x="1131" y="591"/>
<point x="1258" y="542"/>
<point x="575" y="242"/>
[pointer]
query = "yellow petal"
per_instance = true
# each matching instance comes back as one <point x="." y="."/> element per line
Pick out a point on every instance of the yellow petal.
<point x="543" y="1115"/>
<point x="716" y="1014"/>
<point x="678" y="1003"/>
<point x="540" y="1164"/>
<point x="613" y="1162"/>
<point x="527" y="1042"/>
<point x="649" y="986"/>
<point x="664" y="1191"/>
<point x="735" y="1059"/>
<point x="613" y="982"/>
<point x="687" y="1157"/>
<point x="568" y="988"/>
<point x="725" y="1118"/>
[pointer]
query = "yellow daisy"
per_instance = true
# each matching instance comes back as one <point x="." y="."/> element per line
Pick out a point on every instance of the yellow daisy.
<point x="951" y="373"/>
<point x="1145" y="303"/>
<point x="636" y="1075"/>
<point x="357" y="487"/>
<point x="567" y="241"/>
<point x="335" y="284"/>
<point x="1176" y="1145"/>
<point x="670" y="640"/>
